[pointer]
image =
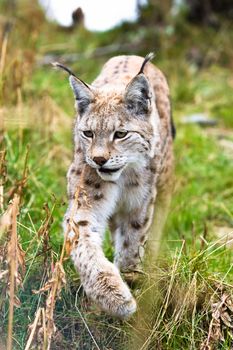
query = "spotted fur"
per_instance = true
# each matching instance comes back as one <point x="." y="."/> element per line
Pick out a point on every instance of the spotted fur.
<point x="126" y="179"/>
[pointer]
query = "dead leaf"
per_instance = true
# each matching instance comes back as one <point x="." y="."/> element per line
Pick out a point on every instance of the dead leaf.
<point x="221" y="324"/>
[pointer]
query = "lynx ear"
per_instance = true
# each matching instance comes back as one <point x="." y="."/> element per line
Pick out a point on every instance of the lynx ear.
<point x="137" y="95"/>
<point x="82" y="93"/>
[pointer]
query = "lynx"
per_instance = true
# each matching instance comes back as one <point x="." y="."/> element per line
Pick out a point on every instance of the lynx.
<point x="123" y="137"/>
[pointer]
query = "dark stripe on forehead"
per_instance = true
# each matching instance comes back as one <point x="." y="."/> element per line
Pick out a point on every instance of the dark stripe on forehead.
<point x="108" y="122"/>
<point x="126" y="60"/>
<point x="125" y="66"/>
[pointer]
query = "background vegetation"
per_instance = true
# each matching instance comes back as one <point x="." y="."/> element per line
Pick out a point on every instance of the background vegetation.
<point x="186" y="300"/>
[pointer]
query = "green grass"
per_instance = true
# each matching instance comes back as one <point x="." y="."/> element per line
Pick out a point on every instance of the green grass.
<point x="202" y="199"/>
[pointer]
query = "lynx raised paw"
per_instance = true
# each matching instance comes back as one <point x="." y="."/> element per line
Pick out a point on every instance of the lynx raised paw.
<point x="112" y="295"/>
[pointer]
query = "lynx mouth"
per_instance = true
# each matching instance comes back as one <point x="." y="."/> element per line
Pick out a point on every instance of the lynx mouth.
<point x="109" y="171"/>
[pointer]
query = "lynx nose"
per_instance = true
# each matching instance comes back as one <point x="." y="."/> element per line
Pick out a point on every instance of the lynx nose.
<point x="100" y="160"/>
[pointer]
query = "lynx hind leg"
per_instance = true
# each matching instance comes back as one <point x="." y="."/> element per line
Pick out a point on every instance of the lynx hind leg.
<point x="130" y="238"/>
<point x="101" y="280"/>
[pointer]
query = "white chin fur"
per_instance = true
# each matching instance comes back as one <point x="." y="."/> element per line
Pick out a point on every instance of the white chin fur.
<point x="110" y="177"/>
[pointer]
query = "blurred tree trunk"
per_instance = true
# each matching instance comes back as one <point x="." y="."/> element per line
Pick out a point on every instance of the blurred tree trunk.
<point x="154" y="12"/>
<point x="207" y="11"/>
<point x="9" y="6"/>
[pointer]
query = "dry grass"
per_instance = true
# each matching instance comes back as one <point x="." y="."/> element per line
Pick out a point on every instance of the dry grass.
<point x="12" y="261"/>
<point x="43" y="329"/>
<point x="3" y="179"/>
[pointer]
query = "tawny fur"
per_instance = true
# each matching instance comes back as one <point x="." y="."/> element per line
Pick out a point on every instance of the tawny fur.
<point x="124" y="200"/>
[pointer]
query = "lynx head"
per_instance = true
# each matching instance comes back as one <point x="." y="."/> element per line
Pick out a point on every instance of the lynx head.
<point x="114" y="127"/>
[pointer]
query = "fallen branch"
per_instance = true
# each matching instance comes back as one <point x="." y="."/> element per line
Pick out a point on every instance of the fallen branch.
<point x="98" y="52"/>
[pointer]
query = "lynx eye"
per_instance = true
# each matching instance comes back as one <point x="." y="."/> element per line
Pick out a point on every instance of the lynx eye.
<point x="120" y="134"/>
<point x="88" y="133"/>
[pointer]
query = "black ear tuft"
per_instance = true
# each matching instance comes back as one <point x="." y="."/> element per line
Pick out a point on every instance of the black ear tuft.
<point x="148" y="58"/>
<point x="82" y="93"/>
<point x="137" y="95"/>
<point x="61" y="66"/>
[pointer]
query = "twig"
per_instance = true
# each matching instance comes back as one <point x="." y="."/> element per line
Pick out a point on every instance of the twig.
<point x="98" y="52"/>
<point x="33" y="329"/>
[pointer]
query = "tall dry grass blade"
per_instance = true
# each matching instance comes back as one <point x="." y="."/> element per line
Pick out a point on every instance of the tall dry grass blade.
<point x="2" y="177"/>
<point x="188" y="300"/>
<point x="19" y="185"/>
<point x="44" y="230"/>
<point x="5" y="220"/>
<point x="69" y="243"/>
<point x="20" y="112"/>
<point x="33" y="328"/>
<point x="57" y="284"/>
<point x="1" y="196"/>
<point x="3" y="53"/>
<point x="12" y="260"/>
<point x="53" y="287"/>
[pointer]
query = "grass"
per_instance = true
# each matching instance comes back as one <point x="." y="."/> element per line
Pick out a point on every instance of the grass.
<point x="194" y="269"/>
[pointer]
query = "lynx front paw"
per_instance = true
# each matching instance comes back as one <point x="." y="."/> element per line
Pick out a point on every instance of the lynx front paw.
<point x="113" y="295"/>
